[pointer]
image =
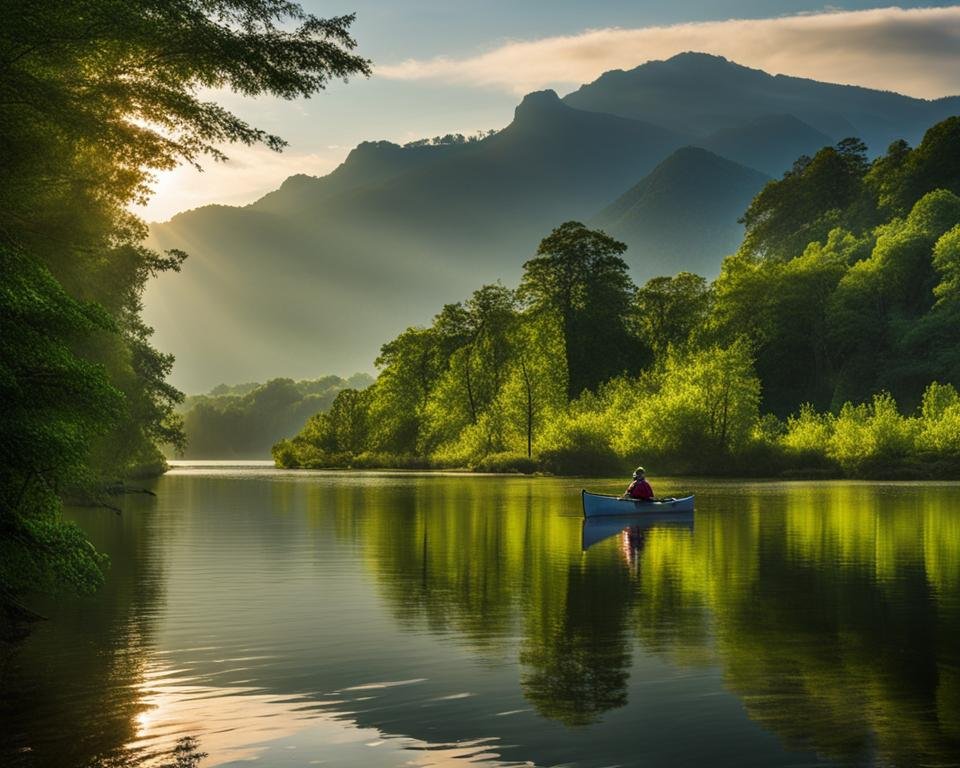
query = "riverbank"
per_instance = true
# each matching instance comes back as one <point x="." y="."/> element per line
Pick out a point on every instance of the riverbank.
<point x="761" y="463"/>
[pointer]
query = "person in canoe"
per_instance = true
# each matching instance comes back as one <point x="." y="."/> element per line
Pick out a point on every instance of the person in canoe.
<point x="639" y="489"/>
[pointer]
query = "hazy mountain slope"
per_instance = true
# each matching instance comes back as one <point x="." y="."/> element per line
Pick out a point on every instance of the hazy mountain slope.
<point x="318" y="274"/>
<point x="705" y="93"/>
<point x="551" y="163"/>
<point x="683" y="215"/>
<point x="370" y="162"/>
<point x="770" y="143"/>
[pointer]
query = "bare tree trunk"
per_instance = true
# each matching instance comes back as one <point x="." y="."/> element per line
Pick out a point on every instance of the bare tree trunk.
<point x="470" y="400"/>
<point x="529" y="389"/>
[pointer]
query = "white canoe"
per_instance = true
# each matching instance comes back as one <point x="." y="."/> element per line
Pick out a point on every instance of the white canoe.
<point x="596" y="505"/>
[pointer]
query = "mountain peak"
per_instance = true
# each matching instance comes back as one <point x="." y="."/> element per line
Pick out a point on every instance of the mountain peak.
<point x="699" y="59"/>
<point x="538" y="102"/>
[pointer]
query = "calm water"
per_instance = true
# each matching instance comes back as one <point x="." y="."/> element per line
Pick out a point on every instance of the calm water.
<point x="374" y="620"/>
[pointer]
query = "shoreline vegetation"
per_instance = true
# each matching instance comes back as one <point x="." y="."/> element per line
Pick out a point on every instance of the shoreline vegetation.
<point x="828" y="346"/>
<point x="867" y="441"/>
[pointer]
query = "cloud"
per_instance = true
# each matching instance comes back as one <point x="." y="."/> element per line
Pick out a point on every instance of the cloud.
<point x="912" y="51"/>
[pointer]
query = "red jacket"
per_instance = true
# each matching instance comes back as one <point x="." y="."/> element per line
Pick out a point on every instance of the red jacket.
<point x="640" y="489"/>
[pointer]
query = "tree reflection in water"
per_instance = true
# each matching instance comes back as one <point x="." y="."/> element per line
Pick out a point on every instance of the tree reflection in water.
<point x="833" y="613"/>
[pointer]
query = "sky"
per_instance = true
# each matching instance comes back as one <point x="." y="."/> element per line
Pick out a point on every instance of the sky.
<point x="443" y="66"/>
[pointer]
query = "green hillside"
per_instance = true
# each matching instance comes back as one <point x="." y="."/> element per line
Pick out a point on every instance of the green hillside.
<point x="827" y="345"/>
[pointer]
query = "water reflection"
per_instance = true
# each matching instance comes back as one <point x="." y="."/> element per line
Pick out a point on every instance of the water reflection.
<point x="635" y="527"/>
<point x="76" y="678"/>
<point x="833" y="613"/>
<point x="383" y="620"/>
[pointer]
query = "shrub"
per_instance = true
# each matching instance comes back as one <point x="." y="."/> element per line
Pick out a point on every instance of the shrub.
<point x="580" y="444"/>
<point x="939" y="428"/>
<point x="700" y="406"/>
<point x="379" y="460"/>
<point x="872" y="439"/>
<point x="285" y="455"/>
<point x="807" y="439"/>
<point x="507" y="462"/>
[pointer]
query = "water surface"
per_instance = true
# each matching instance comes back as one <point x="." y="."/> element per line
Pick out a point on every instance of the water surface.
<point x="350" y="619"/>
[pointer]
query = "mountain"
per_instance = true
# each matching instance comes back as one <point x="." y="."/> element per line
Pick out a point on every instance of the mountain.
<point x="322" y="271"/>
<point x="317" y="274"/>
<point x="370" y="162"/>
<point x="552" y="162"/>
<point x="703" y="93"/>
<point x="770" y="143"/>
<point x="684" y="213"/>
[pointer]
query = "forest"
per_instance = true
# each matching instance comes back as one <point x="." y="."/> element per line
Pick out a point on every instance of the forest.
<point x="243" y="421"/>
<point x="827" y="346"/>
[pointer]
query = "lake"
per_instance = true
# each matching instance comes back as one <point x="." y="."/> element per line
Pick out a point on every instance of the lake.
<point x="377" y="619"/>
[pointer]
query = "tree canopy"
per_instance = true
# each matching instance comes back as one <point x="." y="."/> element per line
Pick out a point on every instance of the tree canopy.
<point x="97" y="97"/>
<point x="579" y="278"/>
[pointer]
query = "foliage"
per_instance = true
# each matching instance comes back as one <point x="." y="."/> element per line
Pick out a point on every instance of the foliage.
<point x="696" y="410"/>
<point x="816" y="195"/>
<point x="98" y="96"/>
<point x="874" y="434"/>
<point x="874" y="439"/>
<point x="55" y="406"/>
<point x="579" y="279"/>
<point x="451" y="139"/>
<point x="669" y="310"/>
<point x="579" y="442"/>
<point x="845" y="282"/>
<point x="807" y="436"/>
<point x="246" y="420"/>
<point x="507" y="462"/>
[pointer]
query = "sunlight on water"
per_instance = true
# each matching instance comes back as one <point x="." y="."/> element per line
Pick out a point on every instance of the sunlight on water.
<point x="388" y="619"/>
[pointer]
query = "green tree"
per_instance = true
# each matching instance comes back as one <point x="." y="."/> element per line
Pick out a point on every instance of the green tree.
<point x="782" y="307"/>
<point x="670" y="309"/>
<point x="480" y="331"/>
<point x="536" y="383"/>
<point x="881" y="302"/>
<point x="697" y="409"/>
<point x="55" y="405"/>
<point x="815" y="196"/>
<point x="98" y="96"/>
<point x="934" y="164"/>
<point x="579" y="278"/>
<point x="409" y="368"/>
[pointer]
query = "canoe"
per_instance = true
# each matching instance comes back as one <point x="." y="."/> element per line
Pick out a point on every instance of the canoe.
<point x="596" y="505"/>
<point x="596" y="529"/>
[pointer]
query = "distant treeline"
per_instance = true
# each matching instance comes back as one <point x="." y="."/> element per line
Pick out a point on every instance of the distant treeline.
<point x="243" y="421"/>
<point x="451" y="139"/>
<point x="842" y="301"/>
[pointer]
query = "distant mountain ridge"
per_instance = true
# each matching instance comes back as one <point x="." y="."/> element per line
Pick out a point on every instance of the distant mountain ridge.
<point x="770" y="143"/>
<point x="684" y="211"/>
<point x="703" y="93"/>
<point x="321" y="271"/>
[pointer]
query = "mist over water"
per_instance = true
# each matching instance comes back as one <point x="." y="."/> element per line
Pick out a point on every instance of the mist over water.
<point x="377" y="619"/>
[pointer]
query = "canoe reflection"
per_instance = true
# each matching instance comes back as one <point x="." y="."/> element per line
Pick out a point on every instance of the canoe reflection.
<point x="633" y="529"/>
